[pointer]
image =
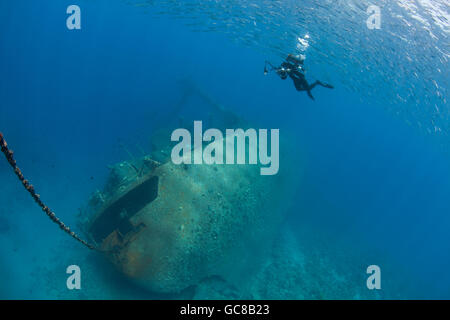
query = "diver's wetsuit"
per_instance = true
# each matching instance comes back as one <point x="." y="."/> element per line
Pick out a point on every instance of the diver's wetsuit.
<point x="291" y="68"/>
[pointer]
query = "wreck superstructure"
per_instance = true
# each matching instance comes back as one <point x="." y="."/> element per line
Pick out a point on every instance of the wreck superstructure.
<point x="168" y="227"/>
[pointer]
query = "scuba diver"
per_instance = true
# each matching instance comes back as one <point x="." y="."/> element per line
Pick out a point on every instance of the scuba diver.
<point x="293" y="67"/>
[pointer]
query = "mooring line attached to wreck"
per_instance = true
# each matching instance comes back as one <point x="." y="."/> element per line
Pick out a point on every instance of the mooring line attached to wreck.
<point x="9" y="156"/>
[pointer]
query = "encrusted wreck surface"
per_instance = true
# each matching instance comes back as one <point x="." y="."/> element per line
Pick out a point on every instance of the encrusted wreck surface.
<point x="169" y="226"/>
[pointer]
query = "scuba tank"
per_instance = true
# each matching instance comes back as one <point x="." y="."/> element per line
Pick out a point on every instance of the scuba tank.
<point x="296" y="59"/>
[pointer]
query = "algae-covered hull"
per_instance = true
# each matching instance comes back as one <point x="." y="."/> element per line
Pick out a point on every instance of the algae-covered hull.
<point x="168" y="227"/>
<point x="178" y="224"/>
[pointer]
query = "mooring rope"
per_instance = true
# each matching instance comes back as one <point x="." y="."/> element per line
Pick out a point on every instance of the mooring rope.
<point x="9" y="156"/>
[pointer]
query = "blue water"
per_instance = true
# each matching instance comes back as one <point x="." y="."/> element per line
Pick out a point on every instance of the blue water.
<point x="374" y="151"/>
